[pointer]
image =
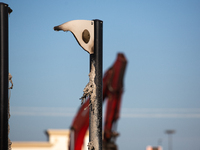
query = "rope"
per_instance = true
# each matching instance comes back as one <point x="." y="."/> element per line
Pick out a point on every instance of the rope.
<point x="9" y="80"/>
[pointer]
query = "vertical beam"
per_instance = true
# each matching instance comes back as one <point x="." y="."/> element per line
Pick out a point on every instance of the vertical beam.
<point x="170" y="141"/>
<point x="4" y="76"/>
<point x="95" y="125"/>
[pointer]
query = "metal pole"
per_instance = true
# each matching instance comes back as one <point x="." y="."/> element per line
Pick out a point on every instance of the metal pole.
<point x="95" y="125"/>
<point x="4" y="9"/>
<point x="170" y="132"/>
<point x="170" y="141"/>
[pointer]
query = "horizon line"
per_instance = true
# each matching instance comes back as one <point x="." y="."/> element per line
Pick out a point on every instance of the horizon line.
<point x="125" y="112"/>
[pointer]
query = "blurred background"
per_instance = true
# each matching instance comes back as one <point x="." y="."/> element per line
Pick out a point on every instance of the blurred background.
<point x="161" y="41"/>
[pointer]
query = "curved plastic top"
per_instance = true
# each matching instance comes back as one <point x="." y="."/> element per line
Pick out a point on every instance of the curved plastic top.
<point x="83" y="31"/>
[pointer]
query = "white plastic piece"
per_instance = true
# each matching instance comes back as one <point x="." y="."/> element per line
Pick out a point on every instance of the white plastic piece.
<point x="77" y="27"/>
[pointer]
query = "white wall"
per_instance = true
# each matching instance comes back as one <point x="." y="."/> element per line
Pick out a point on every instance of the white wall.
<point x="58" y="140"/>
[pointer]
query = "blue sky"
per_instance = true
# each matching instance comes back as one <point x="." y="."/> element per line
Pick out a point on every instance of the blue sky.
<point x="161" y="42"/>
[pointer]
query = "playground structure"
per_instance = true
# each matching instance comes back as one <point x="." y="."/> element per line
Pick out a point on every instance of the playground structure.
<point x="89" y="36"/>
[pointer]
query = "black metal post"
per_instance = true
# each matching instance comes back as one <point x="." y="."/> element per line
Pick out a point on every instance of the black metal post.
<point x="4" y="9"/>
<point x="95" y="125"/>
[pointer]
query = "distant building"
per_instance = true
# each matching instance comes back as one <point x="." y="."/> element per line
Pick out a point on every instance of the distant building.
<point x="154" y="148"/>
<point x="58" y="140"/>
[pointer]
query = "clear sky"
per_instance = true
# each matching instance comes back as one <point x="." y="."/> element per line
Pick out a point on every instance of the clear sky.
<point x="161" y="41"/>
